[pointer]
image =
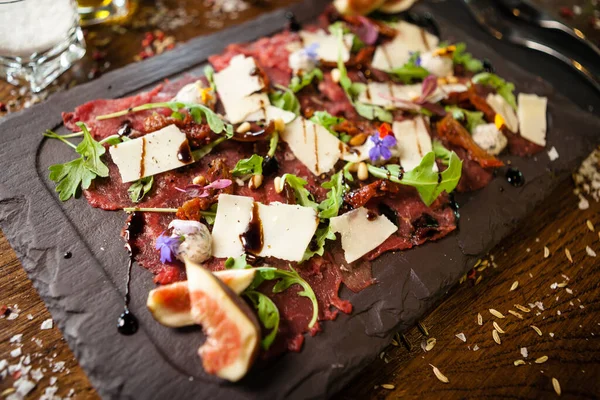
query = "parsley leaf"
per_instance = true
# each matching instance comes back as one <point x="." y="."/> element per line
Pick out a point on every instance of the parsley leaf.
<point x="300" y="82"/>
<point x="286" y="100"/>
<point x="303" y="196"/>
<point x="236" y="263"/>
<point x="429" y="183"/>
<point x="268" y="314"/>
<point x="140" y="188"/>
<point x="461" y="57"/>
<point x="441" y="152"/>
<point x="247" y="166"/>
<point x="503" y="88"/>
<point x="69" y="177"/>
<point x="473" y="118"/>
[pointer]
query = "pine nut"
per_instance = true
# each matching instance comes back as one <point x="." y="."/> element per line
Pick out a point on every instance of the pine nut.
<point x="277" y="184"/>
<point x="362" y="172"/>
<point x="358" y="140"/>
<point x="353" y="167"/>
<point x="243" y="128"/>
<point x="199" y="180"/>
<point x="336" y="75"/>
<point x="255" y="181"/>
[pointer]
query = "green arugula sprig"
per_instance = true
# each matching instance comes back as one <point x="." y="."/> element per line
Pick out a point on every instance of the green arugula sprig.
<point x="353" y="89"/>
<point x="327" y="121"/>
<point x="429" y="183"/>
<point x="199" y="113"/>
<point x="140" y="188"/>
<point x="303" y="196"/>
<point x="268" y="314"/>
<point x="330" y="207"/>
<point x="78" y="173"/>
<point x="248" y="166"/>
<point x="285" y="99"/>
<point x="472" y="118"/>
<point x="503" y="88"/>
<point x="300" y="82"/>
<point x="209" y="73"/>
<point x="411" y="71"/>
<point x="460" y="56"/>
<point x="441" y="153"/>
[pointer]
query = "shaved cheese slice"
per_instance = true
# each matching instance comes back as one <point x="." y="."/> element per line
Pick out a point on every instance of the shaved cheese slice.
<point x="238" y="85"/>
<point x="413" y="141"/>
<point x="532" y="117"/>
<point x="328" y="48"/>
<point x="312" y="144"/>
<point x="287" y="229"/>
<point x="151" y="154"/>
<point x="361" y="232"/>
<point x="397" y="96"/>
<point x="500" y="106"/>
<point x="410" y="38"/>
<point x="233" y="216"/>
<point x="271" y="113"/>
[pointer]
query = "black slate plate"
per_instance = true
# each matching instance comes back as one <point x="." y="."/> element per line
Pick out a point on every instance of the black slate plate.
<point x="84" y="293"/>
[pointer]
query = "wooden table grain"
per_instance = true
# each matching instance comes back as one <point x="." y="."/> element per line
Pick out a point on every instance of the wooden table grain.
<point x="565" y="294"/>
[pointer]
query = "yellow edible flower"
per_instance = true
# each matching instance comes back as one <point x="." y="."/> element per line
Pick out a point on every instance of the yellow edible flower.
<point x="498" y="121"/>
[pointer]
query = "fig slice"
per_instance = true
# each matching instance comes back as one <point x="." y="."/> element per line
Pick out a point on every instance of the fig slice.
<point x="231" y="328"/>
<point x="170" y="304"/>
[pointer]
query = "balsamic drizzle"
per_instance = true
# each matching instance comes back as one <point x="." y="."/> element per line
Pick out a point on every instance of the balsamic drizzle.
<point x="515" y="177"/>
<point x="184" y="153"/>
<point x="292" y="23"/>
<point x="127" y="324"/>
<point x="67" y="255"/>
<point x="253" y="239"/>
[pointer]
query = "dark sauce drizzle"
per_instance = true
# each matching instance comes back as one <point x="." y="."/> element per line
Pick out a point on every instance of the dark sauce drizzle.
<point x="125" y="129"/>
<point x="184" y="154"/>
<point x="127" y="324"/>
<point x="292" y="23"/>
<point x="515" y="177"/>
<point x="67" y="255"/>
<point x="253" y="239"/>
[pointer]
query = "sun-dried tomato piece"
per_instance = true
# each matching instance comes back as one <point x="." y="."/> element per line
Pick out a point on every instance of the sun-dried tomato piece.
<point x="360" y="197"/>
<point x="452" y="131"/>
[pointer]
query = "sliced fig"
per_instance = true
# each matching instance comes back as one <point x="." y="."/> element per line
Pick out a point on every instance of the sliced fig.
<point x="170" y="304"/>
<point x="231" y="328"/>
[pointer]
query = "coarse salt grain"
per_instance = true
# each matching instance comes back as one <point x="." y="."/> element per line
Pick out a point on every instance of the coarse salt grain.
<point x="461" y="336"/>
<point x="16" y="352"/>
<point x="553" y="154"/>
<point x="590" y="252"/>
<point x="16" y="338"/>
<point x="475" y="348"/>
<point x="47" y="324"/>
<point x="524" y="352"/>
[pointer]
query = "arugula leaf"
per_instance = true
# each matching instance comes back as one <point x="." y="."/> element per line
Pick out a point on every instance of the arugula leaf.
<point x="327" y="121"/>
<point x="473" y="118"/>
<point x="290" y="278"/>
<point x="357" y="44"/>
<point x="429" y="183"/>
<point x="209" y="73"/>
<point x="372" y="112"/>
<point x="140" y="188"/>
<point x="411" y="70"/>
<point x="286" y="100"/>
<point x="441" y="152"/>
<point x="268" y="314"/>
<point x="197" y="111"/>
<point x="330" y="207"/>
<point x="207" y="148"/>
<point x="247" y="166"/>
<point x="300" y="82"/>
<point x="461" y="57"/>
<point x="321" y="235"/>
<point x="303" y="196"/>
<point x="237" y="263"/>
<point x="209" y="216"/>
<point x="503" y="88"/>
<point x="82" y="171"/>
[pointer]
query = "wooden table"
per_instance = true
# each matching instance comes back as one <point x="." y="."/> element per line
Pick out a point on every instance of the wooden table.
<point x="568" y="292"/>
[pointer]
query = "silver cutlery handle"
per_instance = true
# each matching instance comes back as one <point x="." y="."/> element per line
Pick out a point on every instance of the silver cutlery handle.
<point x="551" y="52"/>
<point x="573" y="32"/>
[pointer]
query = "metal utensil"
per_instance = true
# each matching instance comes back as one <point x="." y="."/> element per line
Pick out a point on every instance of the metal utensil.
<point x="487" y="16"/>
<point x="525" y="10"/>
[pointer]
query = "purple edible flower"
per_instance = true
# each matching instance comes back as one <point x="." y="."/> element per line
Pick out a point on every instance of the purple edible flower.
<point x="168" y="246"/>
<point x="311" y="51"/>
<point x="202" y="191"/>
<point x="427" y="89"/>
<point x="417" y="59"/>
<point x="382" y="146"/>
